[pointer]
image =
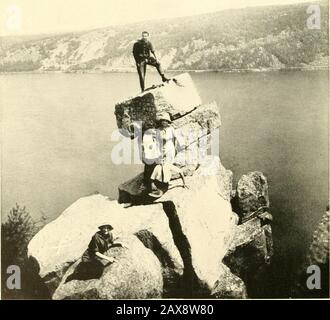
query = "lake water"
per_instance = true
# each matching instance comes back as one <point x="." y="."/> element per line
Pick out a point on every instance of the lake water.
<point x="56" y="143"/>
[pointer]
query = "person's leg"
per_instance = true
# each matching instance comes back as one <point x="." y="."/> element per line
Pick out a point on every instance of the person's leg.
<point x="155" y="190"/>
<point x="81" y="272"/>
<point x="154" y="180"/>
<point x="98" y="269"/>
<point x="141" y="71"/>
<point x="154" y="63"/>
<point x="153" y="185"/>
<point x="144" y="71"/>
<point x="148" y="169"/>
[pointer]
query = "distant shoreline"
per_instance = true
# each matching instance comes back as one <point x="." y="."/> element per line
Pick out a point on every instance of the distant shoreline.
<point x="309" y="68"/>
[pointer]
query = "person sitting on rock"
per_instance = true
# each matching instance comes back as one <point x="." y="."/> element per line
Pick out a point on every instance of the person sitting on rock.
<point x="141" y="52"/>
<point x="94" y="260"/>
<point x="164" y="168"/>
<point x="161" y="176"/>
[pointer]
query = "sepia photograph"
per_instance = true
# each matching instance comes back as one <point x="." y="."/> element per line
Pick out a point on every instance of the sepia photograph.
<point x="164" y="150"/>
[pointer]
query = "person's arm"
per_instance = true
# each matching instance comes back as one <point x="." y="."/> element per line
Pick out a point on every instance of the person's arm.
<point x="102" y="256"/>
<point x="136" y="53"/>
<point x="94" y="248"/>
<point x="175" y="169"/>
<point x="183" y="180"/>
<point x="119" y="243"/>
<point x="176" y="140"/>
<point x="152" y="50"/>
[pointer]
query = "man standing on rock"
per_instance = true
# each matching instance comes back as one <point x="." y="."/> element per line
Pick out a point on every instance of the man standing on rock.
<point x="141" y="52"/>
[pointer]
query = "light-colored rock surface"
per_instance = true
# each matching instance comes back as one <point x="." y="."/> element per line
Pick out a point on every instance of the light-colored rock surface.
<point x="133" y="189"/>
<point x="169" y="97"/>
<point x="200" y="122"/>
<point x="205" y="225"/>
<point x="228" y="286"/>
<point x="178" y="244"/>
<point x="63" y="241"/>
<point x="183" y="223"/>
<point x="137" y="274"/>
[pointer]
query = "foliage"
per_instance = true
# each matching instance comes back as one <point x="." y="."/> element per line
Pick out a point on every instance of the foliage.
<point x="16" y="232"/>
<point x="248" y="38"/>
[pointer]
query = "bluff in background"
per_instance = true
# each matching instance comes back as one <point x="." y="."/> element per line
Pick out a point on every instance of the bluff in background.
<point x="270" y="37"/>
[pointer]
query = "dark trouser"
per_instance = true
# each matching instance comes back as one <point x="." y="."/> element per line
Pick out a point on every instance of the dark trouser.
<point x="87" y="270"/>
<point x="148" y="169"/>
<point x="142" y="68"/>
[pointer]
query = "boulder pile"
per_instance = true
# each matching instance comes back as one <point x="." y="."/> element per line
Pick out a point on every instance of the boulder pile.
<point x="189" y="242"/>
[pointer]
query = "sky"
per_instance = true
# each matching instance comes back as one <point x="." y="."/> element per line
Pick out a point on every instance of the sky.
<point x="21" y="17"/>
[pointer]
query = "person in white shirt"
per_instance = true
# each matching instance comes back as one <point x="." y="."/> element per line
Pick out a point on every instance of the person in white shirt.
<point x="164" y="168"/>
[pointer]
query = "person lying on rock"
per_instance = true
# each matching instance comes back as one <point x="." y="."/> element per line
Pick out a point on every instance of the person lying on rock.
<point x="141" y="52"/>
<point x="94" y="260"/>
<point x="164" y="167"/>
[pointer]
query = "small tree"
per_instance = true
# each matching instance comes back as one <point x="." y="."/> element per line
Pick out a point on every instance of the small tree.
<point x="16" y="232"/>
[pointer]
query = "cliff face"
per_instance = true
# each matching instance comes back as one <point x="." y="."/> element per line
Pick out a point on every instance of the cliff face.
<point x="187" y="243"/>
<point x="252" y="38"/>
<point x="317" y="256"/>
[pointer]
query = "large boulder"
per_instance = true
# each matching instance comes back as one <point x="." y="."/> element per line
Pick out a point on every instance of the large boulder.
<point x="318" y="252"/>
<point x="62" y="242"/>
<point x="249" y="254"/>
<point x="228" y="286"/>
<point x="317" y="257"/>
<point x="201" y="217"/>
<point x="176" y="229"/>
<point x="176" y="97"/>
<point x="133" y="190"/>
<point x="178" y="245"/>
<point x="198" y="123"/>
<point x="136" y="274"/>
<point x="251" y="194"/>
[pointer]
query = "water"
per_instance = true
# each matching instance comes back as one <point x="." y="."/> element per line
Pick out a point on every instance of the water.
<point x="57" y="146"/>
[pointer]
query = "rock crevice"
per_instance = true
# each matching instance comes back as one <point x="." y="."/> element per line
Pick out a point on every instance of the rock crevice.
<point x="187" y="244"/>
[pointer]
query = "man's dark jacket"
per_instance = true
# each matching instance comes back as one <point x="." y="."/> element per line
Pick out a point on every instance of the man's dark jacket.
<point x="99" y="243"/>
<point x="141" y="50"/>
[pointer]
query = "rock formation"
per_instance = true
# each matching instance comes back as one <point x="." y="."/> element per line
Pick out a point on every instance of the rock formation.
<point x="189" y="242"/>
<point x="224" y="40"/>
<point x="317" y="256"/>
<point x="251" y="195"/>
<point x="176" y="98"/>
<point x="136" y="274"/>
<point x="77" y="224"/>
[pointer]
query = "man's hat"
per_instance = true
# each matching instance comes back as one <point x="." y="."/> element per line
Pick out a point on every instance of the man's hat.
<point x="163" y="116"/>
<point x="105" y="225"/>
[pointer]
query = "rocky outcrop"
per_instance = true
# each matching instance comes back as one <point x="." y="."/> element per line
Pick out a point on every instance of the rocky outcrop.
<point x="176" y="229"/>
<point x="188" y="243"/>
<point x="317" y="256"/>
<point x="202" y="217"/>
<point x="318" y="252"/>
<point x="229" y="286"/>
<point x="78" y="223"/>
<point x="251" y="194"/>
<point x="136" y="274"/>
<point x="133" y="190"/>
<point x="249" y="255"/>
<point x="176" y="97"/>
